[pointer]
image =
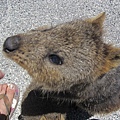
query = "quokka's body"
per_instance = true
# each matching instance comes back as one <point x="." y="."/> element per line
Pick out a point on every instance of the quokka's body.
<point x="69" y="62"/>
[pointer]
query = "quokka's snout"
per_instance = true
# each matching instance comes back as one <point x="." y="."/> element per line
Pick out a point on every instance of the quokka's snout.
<point x="11" y="44"/>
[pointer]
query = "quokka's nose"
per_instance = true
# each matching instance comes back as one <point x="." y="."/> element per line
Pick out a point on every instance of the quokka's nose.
<point x="11" y="43"/>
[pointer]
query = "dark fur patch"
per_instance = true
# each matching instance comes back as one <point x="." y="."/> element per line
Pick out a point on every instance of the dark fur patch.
<point x="38" y="104"/>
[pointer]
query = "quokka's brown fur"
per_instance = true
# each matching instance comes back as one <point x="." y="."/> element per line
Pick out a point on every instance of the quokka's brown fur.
<point x="83" y="58"/>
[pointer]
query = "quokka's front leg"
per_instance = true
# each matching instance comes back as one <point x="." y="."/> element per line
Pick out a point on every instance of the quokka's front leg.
<point x="37" y="106"/>
<point x="52" y="116"/>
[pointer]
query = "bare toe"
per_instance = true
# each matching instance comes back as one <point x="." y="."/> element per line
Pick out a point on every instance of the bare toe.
<point x="1" y="74"/>
<point x="0" y="88"/>
<point x="3" y="89"/>
<point x="10" y="92"/>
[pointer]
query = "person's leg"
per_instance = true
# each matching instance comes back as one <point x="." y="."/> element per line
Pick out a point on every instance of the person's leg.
<point x="9" y="91"/>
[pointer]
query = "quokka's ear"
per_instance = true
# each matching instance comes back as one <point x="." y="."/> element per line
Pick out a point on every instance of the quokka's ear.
<point x="114" y="53"/>
<point x="98" y="20"/>
<point x="96" y="25"/>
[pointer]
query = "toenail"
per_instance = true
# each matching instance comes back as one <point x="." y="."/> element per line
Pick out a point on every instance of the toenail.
<point x="11" y="86"/>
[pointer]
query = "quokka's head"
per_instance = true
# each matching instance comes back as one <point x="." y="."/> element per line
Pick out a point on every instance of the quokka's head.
<point x="64" y="55"/>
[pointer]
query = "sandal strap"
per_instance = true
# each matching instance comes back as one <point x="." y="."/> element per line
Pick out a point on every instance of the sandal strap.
<point x="6" y="102"/>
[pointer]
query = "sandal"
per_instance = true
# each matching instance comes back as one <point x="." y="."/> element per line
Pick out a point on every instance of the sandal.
<point x="11" y="108"/>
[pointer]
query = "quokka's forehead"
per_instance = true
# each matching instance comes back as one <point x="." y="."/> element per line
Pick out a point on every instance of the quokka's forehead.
<point x="75" y="24"/>
<point x="69" y="29"/>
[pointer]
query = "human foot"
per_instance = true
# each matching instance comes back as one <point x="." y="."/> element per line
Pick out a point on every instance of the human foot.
<point x="1" y="74"/>
<point x="9" y="91"/>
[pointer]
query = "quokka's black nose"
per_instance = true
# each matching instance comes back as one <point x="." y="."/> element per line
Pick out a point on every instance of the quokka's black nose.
<point x="11" y="43"/>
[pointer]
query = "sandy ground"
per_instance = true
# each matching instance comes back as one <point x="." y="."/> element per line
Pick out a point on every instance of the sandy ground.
<point x="18" y="16"/>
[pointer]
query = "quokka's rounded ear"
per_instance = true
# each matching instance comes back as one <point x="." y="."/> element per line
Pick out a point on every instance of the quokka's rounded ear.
<point x="114" y="53"/>
<point x="98" y="20"/>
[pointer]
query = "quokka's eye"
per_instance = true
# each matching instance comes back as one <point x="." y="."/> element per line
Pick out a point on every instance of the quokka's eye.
<point x="55" y="59"/>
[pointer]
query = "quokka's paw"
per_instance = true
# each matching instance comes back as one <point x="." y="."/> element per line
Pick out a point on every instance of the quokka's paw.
<point x="22" y="117"/>
<point x="53" y="116"/>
